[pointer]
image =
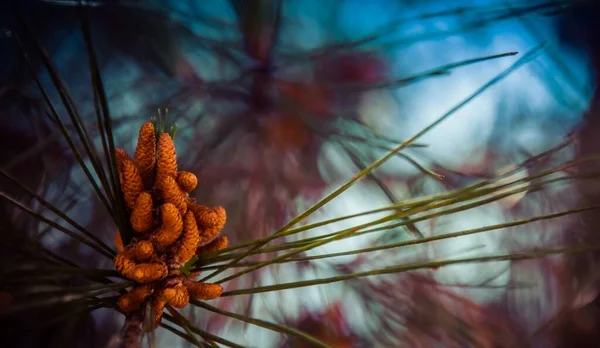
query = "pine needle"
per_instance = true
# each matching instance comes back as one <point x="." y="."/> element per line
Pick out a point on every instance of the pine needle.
<point x="417" y="265"/>
<point x="204" y="334"/>
<point x="525" y="59"/>
<point x="262" y="323"/>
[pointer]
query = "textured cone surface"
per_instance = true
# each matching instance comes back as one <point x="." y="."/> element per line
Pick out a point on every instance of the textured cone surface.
<point x="131" y="184"/>
<point x="186" y="249"/>
<point x="141" y="273"/>
<point x="177" y="296"/>
<point x="203" y="291"/>
<point x="171" y="226"/>
<point x="187" y="181"/>
<point x="166" y="164"/>
<point x="124" y="262"/>
<point x="148" y="272"/>
<point x="121" y="156"/>
<point x="143" y="250"/>
<point x="209" y="217"/>
<point x="207" y="234"/>
<point x="145" y="153"/>
<point x="170" y="192"/>
<point x="133" y="300"/>
<point x="141" y="217"/>
<point x="217" y="244"/>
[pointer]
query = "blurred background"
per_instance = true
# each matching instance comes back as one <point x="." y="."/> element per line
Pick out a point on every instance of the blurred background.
<point x="278" y="102"/>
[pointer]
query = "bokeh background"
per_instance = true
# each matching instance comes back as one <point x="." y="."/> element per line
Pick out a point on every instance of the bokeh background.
<point x="279" y="102"/>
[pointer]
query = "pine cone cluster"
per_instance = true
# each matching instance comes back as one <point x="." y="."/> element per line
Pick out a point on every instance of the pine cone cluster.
<point x="169" y="228"/>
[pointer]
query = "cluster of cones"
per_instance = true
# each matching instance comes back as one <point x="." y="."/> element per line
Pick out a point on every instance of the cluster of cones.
<point x="169" y="228"/>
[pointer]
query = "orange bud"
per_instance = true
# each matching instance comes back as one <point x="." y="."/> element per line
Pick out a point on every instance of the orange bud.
<point x="143" y="250"/>
<point x="131" y="183"/>
<point x="121" y="156"/>
<point x="170" y="192"/>
<point x="187" y="181"/>
<point x="207" y="234"/>
<point x="148" y="272"/>
<point x="166" y="164"/>
<point x="141" y="217"/>
<point x="132" y="300"/>
<point x="141" y="273"/>
<point x="217" y="244"/>
<point x="145" y="153"/>
<point x="171" y="226"/>
<point x="209" y="217"/>
<point x="210" y="221"/>
<point x="177" y="296"/>
<point x="124" y="262"/>
<point x="186" y="248"/>
<point x="203" y="291"/>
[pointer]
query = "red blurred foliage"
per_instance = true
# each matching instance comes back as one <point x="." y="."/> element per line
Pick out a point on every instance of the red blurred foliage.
<point x="313" y="98"/>
<point x="329" y="326"/>
<point x="353" y="67"/>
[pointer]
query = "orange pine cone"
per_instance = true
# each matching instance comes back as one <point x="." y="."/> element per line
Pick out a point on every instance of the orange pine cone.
<point x="166" y="164"/>
<point x="210" y="221"/>
<point x="203" y="291"/>
<point x="132" y="300"/>
<point x="131" y="183"/>
<point x="145" y="153"/>
<point x="118" y="242"/>
<point x="171" y="226"/>
<point x="187" y="181"/>
<point x="143" y="250"/>
<point x="148" y="272"/>
<point x="141" y="273"/>
<point x="177" y="296"/>
<point x="170" y="192"/>
<point x="186" y="248"/>
<point x="141" y="217"/>
<point x="121" y="156"/>
<point x="219" y="243"/>
<point x="209" y="217"/>
<point x="207" y="234"/>
<point x="158" y="306"/>
<point x="124" y="262"/>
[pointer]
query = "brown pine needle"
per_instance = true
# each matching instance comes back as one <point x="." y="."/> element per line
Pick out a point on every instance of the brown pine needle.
<point x="422" y="204"/>
<point x="184" y="323"/>
<point x="262" y="323"/>
<point x="444" y="70"/>
<point x="446" y="235"/>
<point x="418" y="265"/>
<point x="66" y="231"/>
<point x="525" y="59"/>
<point x="204" y="334"/>
<point x="59" y="213"/>
<point x="353" y="231"/>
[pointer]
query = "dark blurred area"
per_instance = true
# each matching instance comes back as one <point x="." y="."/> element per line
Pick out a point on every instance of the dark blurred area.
<point x="138" y="35"/>
<point x="581" y="327"/>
